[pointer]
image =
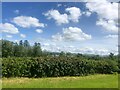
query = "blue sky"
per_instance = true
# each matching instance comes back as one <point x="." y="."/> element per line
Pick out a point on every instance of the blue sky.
<point x="63" y="26"/>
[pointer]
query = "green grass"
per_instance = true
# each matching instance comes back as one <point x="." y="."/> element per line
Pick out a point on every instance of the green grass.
<point x="92" y="81"/>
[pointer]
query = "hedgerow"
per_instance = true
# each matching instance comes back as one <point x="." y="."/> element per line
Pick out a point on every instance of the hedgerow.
<point x="55" y="66"/>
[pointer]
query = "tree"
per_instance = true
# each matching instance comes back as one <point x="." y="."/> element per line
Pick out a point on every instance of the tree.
<point x="21" y="48"/>
<point x="37" y="49"/>
<point x="7" y="48"/>
<point x="16" y="50"/>
<point x="79" y="55"/>
<point x="27" y="48"/>
<point x="111" y="56"/>
<point x="26" y="43"/>
<point x="21" y="43"/>
<point x="62" y="53"/>
<point x="0" y="48"/>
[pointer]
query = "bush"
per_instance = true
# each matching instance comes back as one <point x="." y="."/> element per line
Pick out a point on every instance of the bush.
<point x="55" y="66"/>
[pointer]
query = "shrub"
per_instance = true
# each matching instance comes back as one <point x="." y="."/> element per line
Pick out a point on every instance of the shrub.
<point x="55" y="66"/>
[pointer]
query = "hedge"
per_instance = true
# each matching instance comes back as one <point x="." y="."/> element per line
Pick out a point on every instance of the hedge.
<point x="55" y="66"/>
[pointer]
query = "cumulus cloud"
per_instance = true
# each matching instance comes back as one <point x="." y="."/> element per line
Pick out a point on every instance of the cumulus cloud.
<point x="57" y="16"/>
<point x="75" y="14"/>
<point x="104" y="9"/>
<point x="109" y="25"/>
<point x="27" y="21"/>
<point x="111" y="36"/>
<point x="87" y="13"/>
<point x="23" y="35"/>
<point x="39" y="31"/>
<point x="46" y="44"/>
<point x="59" y="5"/>
<point x="16" y="41"/>
<point x="9" y="36"/>
<point x="98" y="51"/>
<point x="107" y="14"/>
<point x="8" y="28"/>
<point x="57" y="37"/>
<point x="76" y="49"/>
<point x="49" y="47"/>
<point x="113" y="0"/>
<point x="107" y="45"/>
<point x="71" y="34"/>
<point x="98" y="0"/>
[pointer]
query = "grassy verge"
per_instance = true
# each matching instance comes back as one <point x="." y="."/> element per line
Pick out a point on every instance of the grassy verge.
<point x="92" y="81"/>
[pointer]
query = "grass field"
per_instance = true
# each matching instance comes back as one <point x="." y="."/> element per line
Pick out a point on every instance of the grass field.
<point x="92" y="81"/>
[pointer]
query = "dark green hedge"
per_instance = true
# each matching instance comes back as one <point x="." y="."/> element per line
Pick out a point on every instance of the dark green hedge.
<point x="55" y="66"/>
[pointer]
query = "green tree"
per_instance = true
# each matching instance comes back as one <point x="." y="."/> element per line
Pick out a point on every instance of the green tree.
<point x="21" y="48"/>
<point x="37" y="49"/>
<point x="27" y="48"/>
<point x="16" y="49"/>
<point x="62" y="53"/>
<point x="7" y="48"/>
<point x="111" y="56"/>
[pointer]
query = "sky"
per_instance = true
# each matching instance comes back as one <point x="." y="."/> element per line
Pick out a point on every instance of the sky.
<point x="82" y="27"/>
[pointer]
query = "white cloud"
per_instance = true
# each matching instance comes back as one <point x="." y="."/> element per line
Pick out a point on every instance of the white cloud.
<point x="77" y="49"/>
<point x="87" y="13"/>
<point x="9" y="36"/>
<point x="23" y="35"/>
<point x="99" y="0"/>
<point x="111" y="36"/>
<point x="59" y="18"/>
<point x="71" y="34"/>
<point x="27" y="21"/>
<point x="75" y="14"/>
<point x="46" y="44"/>
<point x="107" y="14"/>
<point x="16" y="11"/>
<point x="109" y="25"/>
<point x="49" y="46"/>
<point x="59" y="5"/>
<point x="113" y="0"/>
<point x="16" y="41"/>
<point x="101" y="46"/>
<point x="39" y="31"/>
<point x="8" y="28"/>
<point x="89" y="50"/>
<point x="57" y="37"/>
<point x="104" y="9"/>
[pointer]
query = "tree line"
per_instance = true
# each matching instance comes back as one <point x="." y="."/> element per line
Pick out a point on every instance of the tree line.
<point x="24" y="60"/>
<point x="21" y="49"/>
<point x="24" y="49"/>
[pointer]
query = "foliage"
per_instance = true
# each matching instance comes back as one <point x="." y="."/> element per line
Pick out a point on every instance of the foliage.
<point x="23" y="60"/>
<point x="55" y="66"/>
<point x="21" y="49"/>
